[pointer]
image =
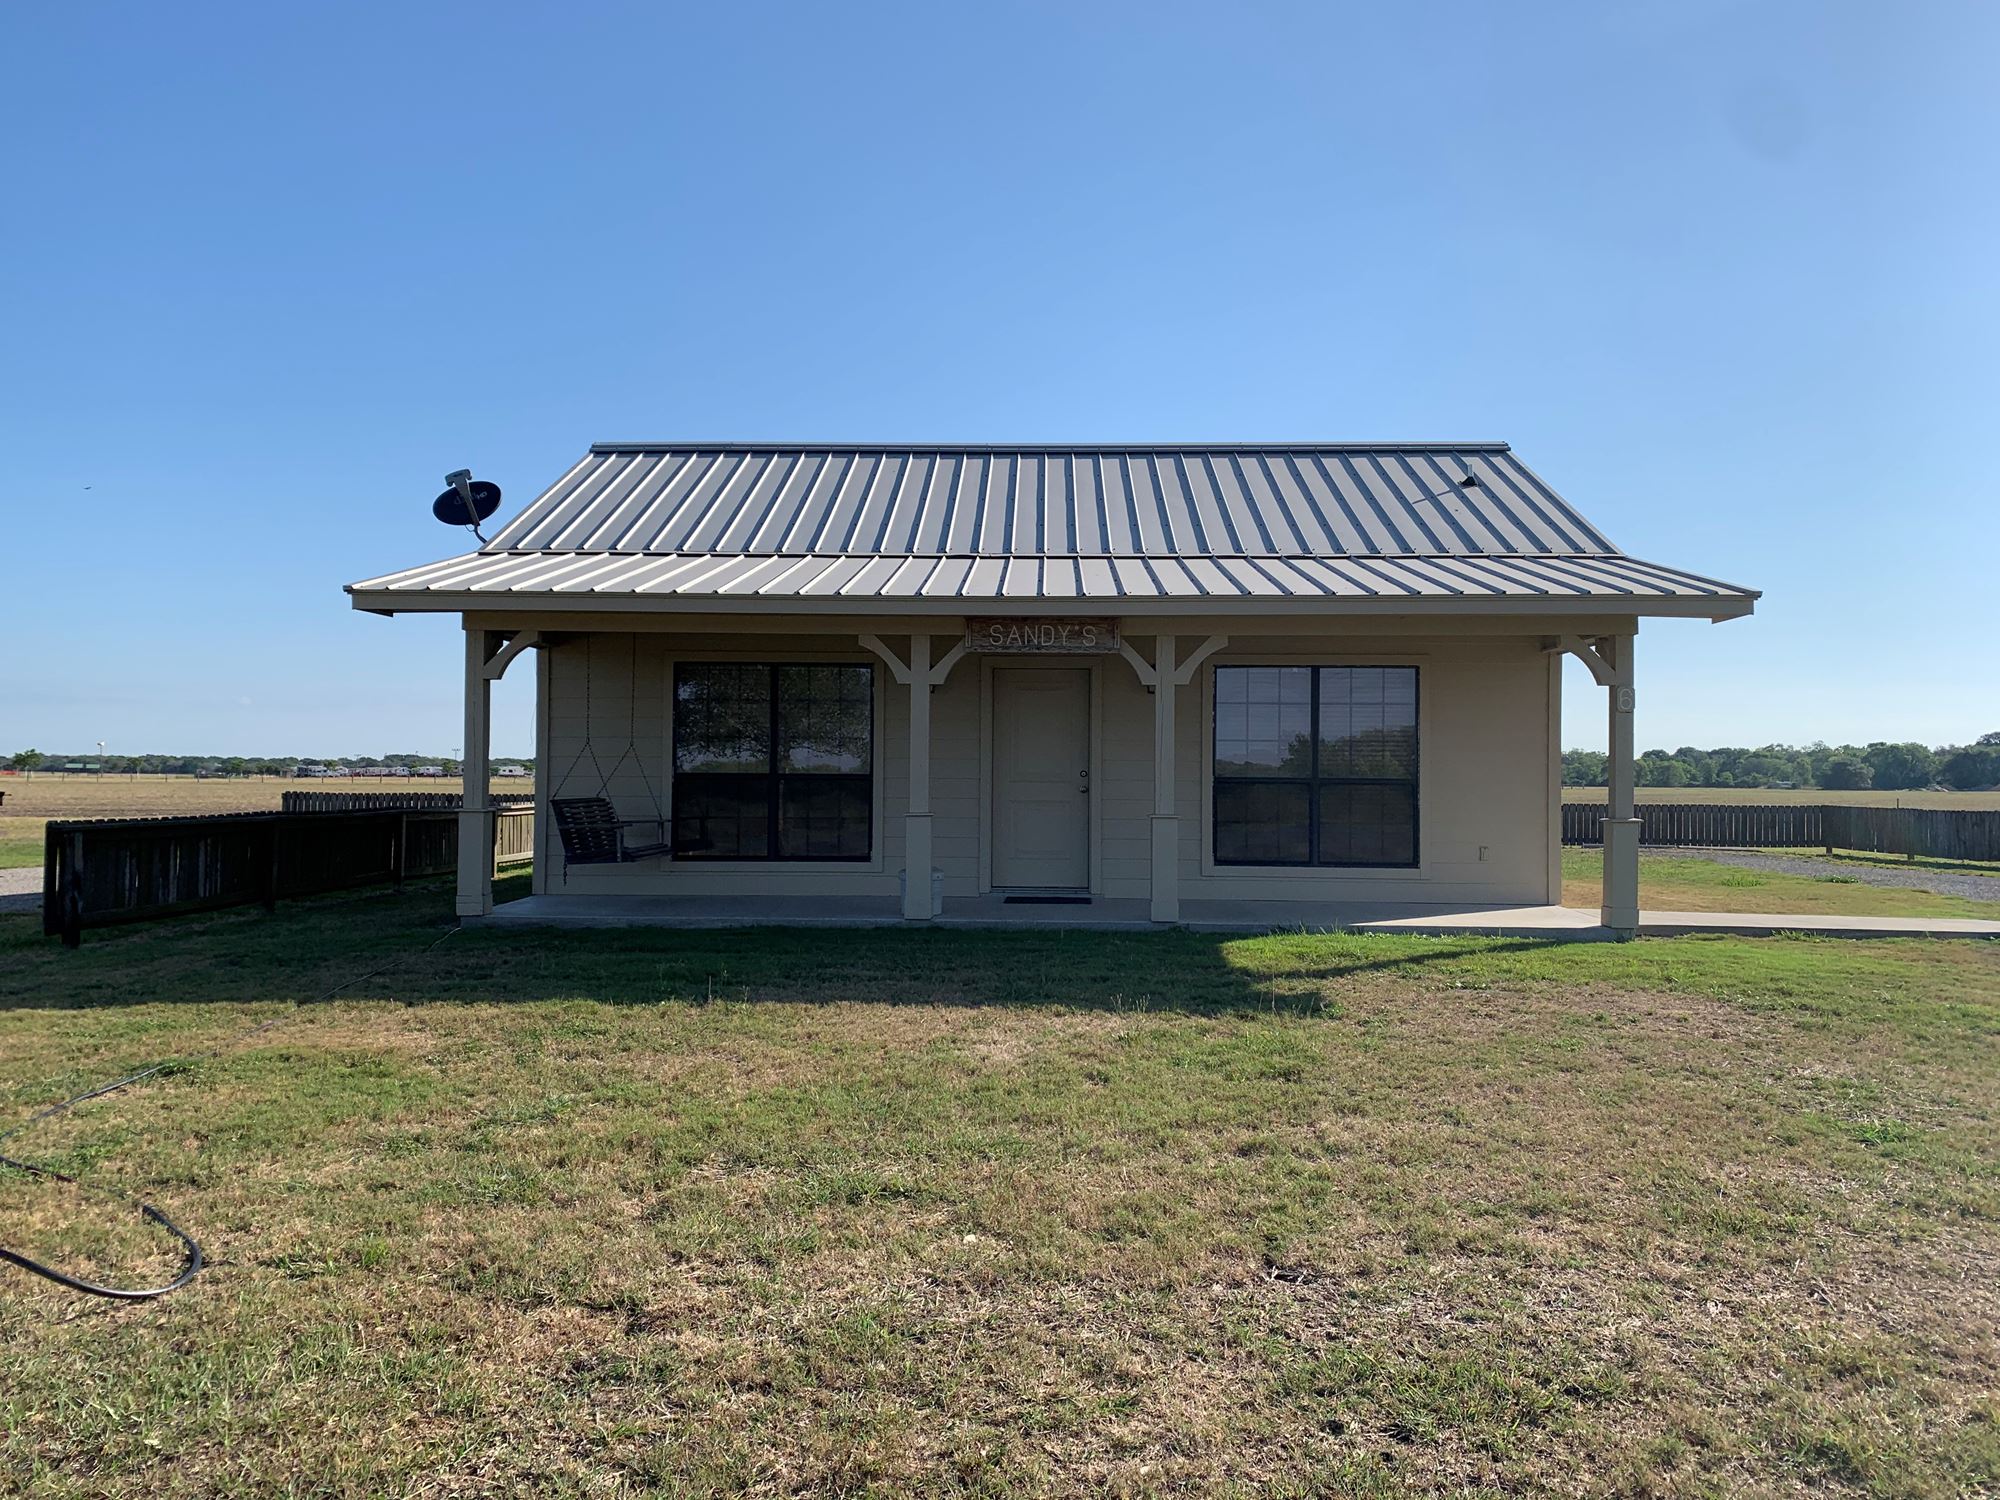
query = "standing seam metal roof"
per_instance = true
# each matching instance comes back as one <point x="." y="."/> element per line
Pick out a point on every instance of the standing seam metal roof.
<point x="1360" y="500"/>
<point x="1342" y="524"/>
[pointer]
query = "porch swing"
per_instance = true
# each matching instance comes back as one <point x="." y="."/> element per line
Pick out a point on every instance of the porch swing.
<point x="592" y="833"/>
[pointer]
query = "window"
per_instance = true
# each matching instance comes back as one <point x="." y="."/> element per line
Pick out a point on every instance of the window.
<point x="1316" y="766"/>
<point x="773" y="762"/>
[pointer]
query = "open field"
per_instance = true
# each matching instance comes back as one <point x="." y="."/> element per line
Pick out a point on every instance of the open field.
<point x="1008" y="1214"/>
<point x="1964" y="801"/>
<point x="33" y="800"/>
<point x="1676" y="882"/>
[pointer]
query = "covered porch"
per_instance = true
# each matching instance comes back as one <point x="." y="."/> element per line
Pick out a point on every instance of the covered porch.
<point x="1154" y="694"/>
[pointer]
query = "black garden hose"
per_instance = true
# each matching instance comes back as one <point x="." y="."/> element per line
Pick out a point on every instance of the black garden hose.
<point x="193" y="1261"/>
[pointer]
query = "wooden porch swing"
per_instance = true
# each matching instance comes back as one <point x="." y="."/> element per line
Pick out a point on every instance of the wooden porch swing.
<point x="591" y="831"/>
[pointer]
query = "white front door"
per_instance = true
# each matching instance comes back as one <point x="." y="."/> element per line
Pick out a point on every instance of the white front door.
<point x="1041" y="778"/>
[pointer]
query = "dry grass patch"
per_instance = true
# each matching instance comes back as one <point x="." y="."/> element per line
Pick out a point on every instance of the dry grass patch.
<point x="1151" y="1216"/>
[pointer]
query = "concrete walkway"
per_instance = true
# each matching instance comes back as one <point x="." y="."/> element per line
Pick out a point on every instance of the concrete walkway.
<point x="1559" y="923"/>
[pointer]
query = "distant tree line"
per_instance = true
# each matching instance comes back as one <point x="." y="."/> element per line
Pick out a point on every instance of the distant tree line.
<point x="1882" y="766"/>
<point x="229" y="765"/>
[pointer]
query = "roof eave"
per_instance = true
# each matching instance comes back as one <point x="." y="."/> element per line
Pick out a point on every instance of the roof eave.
<point x="1714" y="608"/>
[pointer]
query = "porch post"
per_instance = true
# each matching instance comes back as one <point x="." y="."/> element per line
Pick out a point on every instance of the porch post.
<point x="917" y="819"/>
<point x="475" y="832"/>
<point x="1166" y="825"/>
<point x="1621" y="823"/>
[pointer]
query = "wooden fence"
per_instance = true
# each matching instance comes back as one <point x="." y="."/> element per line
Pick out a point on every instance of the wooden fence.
<point x="100" y="873"/>
<point x="513" y="834"/>
<point x="1925" y="832"/>
<point x="292" y="802"/>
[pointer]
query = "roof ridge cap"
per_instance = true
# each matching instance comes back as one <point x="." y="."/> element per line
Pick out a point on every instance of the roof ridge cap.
<point x="1426" y="446"/>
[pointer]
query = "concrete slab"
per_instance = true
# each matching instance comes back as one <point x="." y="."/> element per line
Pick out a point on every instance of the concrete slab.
<point x="1764" y="924"/>
<point x="696" y="911"/>
<point x="1558" y="923"/>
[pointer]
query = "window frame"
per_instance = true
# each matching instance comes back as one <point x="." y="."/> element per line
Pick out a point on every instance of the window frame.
<point x="774" y="792"/>
<point x="1312" y="782"/>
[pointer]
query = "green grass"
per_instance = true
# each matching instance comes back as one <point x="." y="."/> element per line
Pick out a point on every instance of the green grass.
<point x="20" y="843"/>
<point x="1006" y="1214"/>
<point x="1670" y="883"/>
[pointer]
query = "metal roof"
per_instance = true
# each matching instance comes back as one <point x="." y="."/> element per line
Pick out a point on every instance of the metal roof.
<point x="834" y="527"/>
<point x="1366" y="500"/>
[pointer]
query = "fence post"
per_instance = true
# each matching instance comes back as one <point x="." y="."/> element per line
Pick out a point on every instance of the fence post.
<point x="72" y="891"/>
<point x="271" y="864"/>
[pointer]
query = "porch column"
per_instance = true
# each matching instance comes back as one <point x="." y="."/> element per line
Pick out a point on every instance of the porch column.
<point x="917" y="818"/>
<point x="475" y="829"/>
<point x="1166" y="824"/>
<point x="1621" y="822"/>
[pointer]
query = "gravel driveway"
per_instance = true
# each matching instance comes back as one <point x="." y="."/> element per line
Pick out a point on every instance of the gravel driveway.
<point x="21" y="890"/>
<point x="1915" y="878"/>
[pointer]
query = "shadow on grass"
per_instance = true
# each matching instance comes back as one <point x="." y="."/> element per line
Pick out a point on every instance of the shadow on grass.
<point x="308" y="947"/>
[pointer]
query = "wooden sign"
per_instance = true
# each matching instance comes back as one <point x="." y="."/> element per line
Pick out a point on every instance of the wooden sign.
<point x="1046" y="635"/>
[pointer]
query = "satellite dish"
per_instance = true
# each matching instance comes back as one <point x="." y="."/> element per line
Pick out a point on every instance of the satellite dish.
<point x="468" y="502"/>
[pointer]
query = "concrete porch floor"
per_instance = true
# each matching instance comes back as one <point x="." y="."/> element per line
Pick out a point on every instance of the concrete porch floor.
<point x="1131" y="915"/>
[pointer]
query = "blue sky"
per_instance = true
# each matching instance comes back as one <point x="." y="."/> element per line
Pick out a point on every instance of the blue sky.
<point x="1724" y="274"/>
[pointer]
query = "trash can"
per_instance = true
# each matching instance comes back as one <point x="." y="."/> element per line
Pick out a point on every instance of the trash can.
<point x="937" y="891"/>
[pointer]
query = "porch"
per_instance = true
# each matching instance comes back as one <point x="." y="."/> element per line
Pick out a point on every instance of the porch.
<point x="994" y="911"/>
<point x="1145" y="829"/>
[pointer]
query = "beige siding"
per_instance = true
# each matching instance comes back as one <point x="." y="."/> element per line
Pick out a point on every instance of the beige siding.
<point x="1125" y="788"/>
<point x="955" y="724"/>
<point x="1486" y="748"/>
<point x="1484" y="752"/>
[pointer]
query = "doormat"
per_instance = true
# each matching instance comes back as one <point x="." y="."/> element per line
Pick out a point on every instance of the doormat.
<point x="1045" y="901"/>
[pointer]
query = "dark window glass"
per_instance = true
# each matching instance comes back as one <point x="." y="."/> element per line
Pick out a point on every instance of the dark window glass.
<point x="722" y="718"/>
<point x="773" y="762"/>
<point x="825" y="719"/>
<point x="722" y="817"/>
<point x="1262" y="823"/>
<point x="823" y="817"/>
<point x="1364" y="824"/>
<point x="1316" y="765"/>
<point x="1368" y="722"/>
<point x="1264" y="726"/>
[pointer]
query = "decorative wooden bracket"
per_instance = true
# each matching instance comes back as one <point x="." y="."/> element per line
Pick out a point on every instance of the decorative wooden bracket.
<point x="1141" y="668"/>
<point x="1587" y="651"/>
<point x="900" y="669"/>
<point x="499" y="661"/>
<point x="1183" y="671"/>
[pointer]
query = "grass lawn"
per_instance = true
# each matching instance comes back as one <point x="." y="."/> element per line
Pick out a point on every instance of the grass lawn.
<point x="20" y="843"/>
<point x="1670" y="883"/>
<point x="1006" y="1214"/>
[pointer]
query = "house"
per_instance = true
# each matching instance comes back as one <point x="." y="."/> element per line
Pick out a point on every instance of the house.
<point x="1259" y="683"/>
